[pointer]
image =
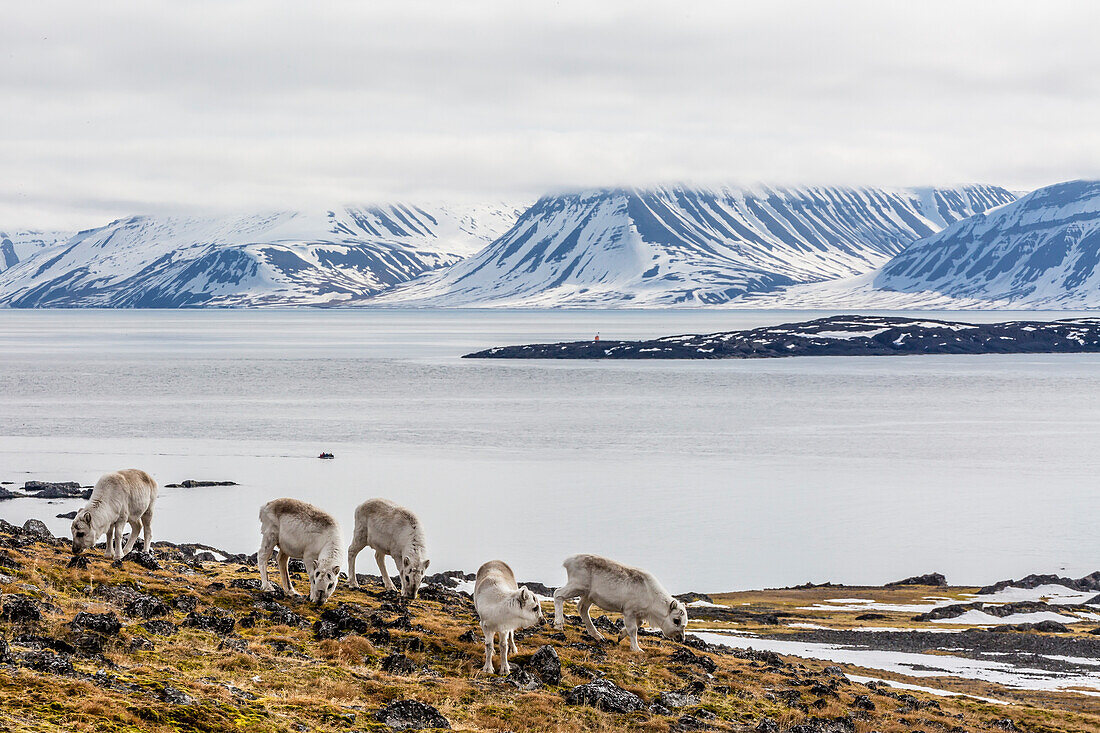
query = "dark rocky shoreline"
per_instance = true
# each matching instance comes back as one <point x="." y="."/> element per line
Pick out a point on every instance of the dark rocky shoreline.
<point x="834" y="336"/>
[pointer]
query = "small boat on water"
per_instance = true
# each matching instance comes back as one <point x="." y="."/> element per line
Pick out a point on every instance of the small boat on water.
<point x="326" y="455"/>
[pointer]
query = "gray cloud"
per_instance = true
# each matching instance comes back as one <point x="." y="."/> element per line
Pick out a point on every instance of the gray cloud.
<point x="113" y="108"/>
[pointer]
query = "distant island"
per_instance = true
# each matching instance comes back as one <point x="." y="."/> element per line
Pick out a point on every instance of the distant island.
<point x="834" y="336"/>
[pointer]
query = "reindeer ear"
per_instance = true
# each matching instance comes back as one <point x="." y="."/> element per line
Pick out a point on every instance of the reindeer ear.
<point x="672" y="606"/>
<point x="88" y="517"/>
<point x="407" y="561"/>
<point x="424" y="565"/>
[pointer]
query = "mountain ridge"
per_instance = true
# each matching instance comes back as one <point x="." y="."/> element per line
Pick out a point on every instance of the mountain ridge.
<point x="672" y="245"/>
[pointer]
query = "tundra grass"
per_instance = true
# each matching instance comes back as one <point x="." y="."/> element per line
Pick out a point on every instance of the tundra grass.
<point x="274" y="677"/>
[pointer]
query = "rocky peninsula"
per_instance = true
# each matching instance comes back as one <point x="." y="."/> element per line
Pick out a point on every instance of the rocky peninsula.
<point x="834" y="336"/>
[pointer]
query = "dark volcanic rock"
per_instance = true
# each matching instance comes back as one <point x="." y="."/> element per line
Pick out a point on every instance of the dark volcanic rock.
<point x="217" y="621"/>
<point x="692" y="597"/>
<point x="160" y="627"/>
<point x="47" y="661"/>
<point x="1088" y="582"/>
<point x="280" y="614"/>
<point x="999" y="610"/>
<point x="825" y="725"/>
<point x="142" y="606"/>
<point x="8" y="562"/>
<point x="683" y="656"/>
<point x="546" y="665"/>
<point x="55" y="490"/>
<point x="863" y="702"/>
<point x="411" y="715"/>
<point x="935" y="579"/>
<point x="20" y="609"/>
<point x="605" y="695"/>
<point x="834" y="336"/>
<point x="1047" y="627"/>
<point x="398" y="664"/>
<point x="193" y="484"/>
<point x="469" y="636"/>
<point x="101" y="623"/>
<point x="144" y="559"/>
<point x="78" y="561"/>
<point x="67" y="515"/>
<point x="176" y="697"/>
<point x="336" y="622"/>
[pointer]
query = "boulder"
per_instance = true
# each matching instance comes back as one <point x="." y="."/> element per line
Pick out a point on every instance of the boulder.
<point x="193" y="484"/>
<point x="605" y="695"/>
<point x="160" y="627"/>
<point x="8" y="562"/>
<point x="280" y="614"/>
<point x="20" y="609"/>
<point x="339" y="621"/>
<point x="411" y="715"/>
<point x="683" y="656"/>
<point x="8" y="494"/>
<point x="767" y="725"/>
<point x="176" y="697"/>
<point x="142" y="606"/>
<point x="398" y="664"/>
<point x="863" y="702"/>
<point x="68" y="515"/>
<point x="673" y="700"/>
<point x="825" y="725"/>
<point x="47" y="661"/>
<point x="692" y="597"/>
<point x="935" y="579"/>
<point x="144" y="559"/>
<point x="522" y="679"/>
<point x="37" y="528"/>
<point x="101" y="623"/>
<point x="80" y="562"/>
<point x="216" y="621"/>
<point x="1046" y="627"/>
<point x="546" y="665"/>
<point x="55" y="490"/>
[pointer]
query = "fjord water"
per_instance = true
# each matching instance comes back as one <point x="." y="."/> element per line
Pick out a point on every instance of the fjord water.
<point x="716" y="475"/>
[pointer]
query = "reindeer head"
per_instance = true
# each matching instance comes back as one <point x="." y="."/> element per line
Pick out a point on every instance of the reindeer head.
<point x="323" y="583"/>
<point x="84" y="536"/>
<point x="674" y="624"/>
<point x="412" y="573"/>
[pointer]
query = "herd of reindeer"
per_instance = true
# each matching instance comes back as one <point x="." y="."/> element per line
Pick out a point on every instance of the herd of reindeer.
<point x="300" y="530"/>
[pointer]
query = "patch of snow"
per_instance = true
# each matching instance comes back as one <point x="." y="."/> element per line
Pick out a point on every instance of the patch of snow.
<point x="917" y="665"/>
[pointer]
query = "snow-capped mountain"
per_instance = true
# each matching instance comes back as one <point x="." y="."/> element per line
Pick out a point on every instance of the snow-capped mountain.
<point x="16" y="246"/>
<point x="694" y="246"/>
<point x="271" y="259"/>
<point x="1043" y="251"/>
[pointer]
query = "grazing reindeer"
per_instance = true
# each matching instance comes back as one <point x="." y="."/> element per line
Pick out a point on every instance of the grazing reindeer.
<point x="615" y="587"/>
<point x="502" y="607"/>
<point x="301" y="530"/>
<point x="119" y="498"/>
<point x="390" y="530"/>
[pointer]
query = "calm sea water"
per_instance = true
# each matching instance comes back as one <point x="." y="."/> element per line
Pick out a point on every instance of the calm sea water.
<point x="715" y="475"/>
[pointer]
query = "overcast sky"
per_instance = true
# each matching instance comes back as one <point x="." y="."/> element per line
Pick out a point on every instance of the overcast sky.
<point x="117" y="108"/>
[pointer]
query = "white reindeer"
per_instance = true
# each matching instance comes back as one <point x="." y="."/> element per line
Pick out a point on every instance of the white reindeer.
<point x="390" y="530"/>
<point x="615" y="587"/>
<point x="301" y="530"/>
<point x="119" y="498"/>
<point x="502" y="607"/>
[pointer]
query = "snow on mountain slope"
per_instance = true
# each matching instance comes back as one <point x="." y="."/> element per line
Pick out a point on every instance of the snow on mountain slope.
<point x="693" y="246"/>
<point x="271" y="259"/>
<point x="1043" y="251"/>
<point x="16" y="246"/>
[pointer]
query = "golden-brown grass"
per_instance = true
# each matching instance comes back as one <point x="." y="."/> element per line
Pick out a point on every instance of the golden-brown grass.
<point x="287" y="677"/>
